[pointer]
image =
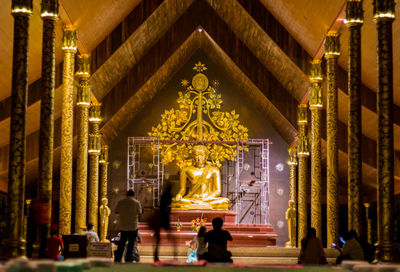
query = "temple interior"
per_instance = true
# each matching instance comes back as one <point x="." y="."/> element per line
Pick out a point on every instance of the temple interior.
<point x="276" y="116"/>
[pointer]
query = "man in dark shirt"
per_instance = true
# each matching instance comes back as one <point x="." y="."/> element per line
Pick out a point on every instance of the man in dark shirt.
<point x="217" y="240"/>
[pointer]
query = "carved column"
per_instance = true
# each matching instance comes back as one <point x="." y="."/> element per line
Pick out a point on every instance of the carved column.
<point x="49" y="14"/>
<point x="14" y="242"/>
<point x="369" y="235"/>
<point x="316" y="108"/>
<point x="82" y="103"/>
<point x="355" y="18"/>
<point x="103" y="194"/>
<point x="94" y="152"/>
<point x="302" y="154"/>
<point x="69" y="46"/>
<point x="332" y="52"/>
<point x="384" y="16"/>
<point x="104" y="167"/>
<point x="293" y="188"/>
<point x="292" y="174"/>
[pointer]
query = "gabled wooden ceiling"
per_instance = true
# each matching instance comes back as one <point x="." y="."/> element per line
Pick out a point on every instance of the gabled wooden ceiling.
<point x="306" y="20"/>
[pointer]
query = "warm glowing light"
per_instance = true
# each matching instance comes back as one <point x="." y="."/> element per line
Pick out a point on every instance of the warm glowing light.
<point x="22" y="10"/>
<point x="354" y="21"/>
<point x="303" y="153"/>
<point x="94" y="152"/>
<point x="94" y="119"/>
<point x="316" y="78"/>
<point x="83" y="103"/>
<point x="49" y="14"/>
<point x="384" y="15"/>
<point x="200" y="30"/>
<point x="318" y="105"/>
<point x="332" y="53"/>
<point x="80" y="73"/>
<point x="68" y="48"/>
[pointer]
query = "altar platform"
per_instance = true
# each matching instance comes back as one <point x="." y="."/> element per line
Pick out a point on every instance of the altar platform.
<point x="254" y="235"/>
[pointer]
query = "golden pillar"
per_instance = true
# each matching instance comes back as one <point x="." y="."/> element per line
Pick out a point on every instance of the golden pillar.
<point x="291" y="216"/>
<point x="49" y="14"/>
<point x="316" y="108"/>
<point x="69" y="46"/>
<point x="104" y="168"/>
<point x="94" y="152"/>
<point x="14" y="242"/>
<point x="384" y="16"/>
<point x="332" y="52"/>
<point x="292" y="174"/>
<point x="104" y="210"/>
<point x="302" y="154"/>
<point x="369" y="235"/>
<point x="82" y="103"/>
<point x="355" y="18"/>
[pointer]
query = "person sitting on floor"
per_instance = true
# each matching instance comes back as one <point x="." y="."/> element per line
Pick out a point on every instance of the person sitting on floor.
<point x="201" y="244"/>
<point x="352" y="249"/>
<point x="217" y="240"/>
<point x="55" y="246"/>
<point x="311" y="251"/>
<point x="192" y="252"/>
<point x="91" y="234"/>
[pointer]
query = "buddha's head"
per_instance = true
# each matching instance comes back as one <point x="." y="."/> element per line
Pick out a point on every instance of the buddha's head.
<point x="200" y="154"/>
<point x="104" y="201"/>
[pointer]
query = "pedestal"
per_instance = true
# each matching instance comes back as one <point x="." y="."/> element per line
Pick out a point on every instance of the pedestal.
<point x="243" y="235"/>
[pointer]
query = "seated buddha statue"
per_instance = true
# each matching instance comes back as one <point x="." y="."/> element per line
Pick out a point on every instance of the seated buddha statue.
<point x="203" y="182"/>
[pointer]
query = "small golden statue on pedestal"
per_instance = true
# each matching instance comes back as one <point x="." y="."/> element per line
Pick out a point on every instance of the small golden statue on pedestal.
<point x="104" y="215"/>
<point x="291" y="222"/>
<point x="204" y="185"/>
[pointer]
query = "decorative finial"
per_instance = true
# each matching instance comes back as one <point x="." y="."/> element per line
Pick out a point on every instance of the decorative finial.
<point x="292" y="156"/>
<point x="83" y="66"/>
<point x="49" y="9"/>
<point x="83" y="93"/>
<point x="354" y="12"/>
<point x="94" y="144"/>
<point x="22" y="7"/>
<point x="69" y="41"/>
<point x="316" y="78"/>
<point x="384" y="9"/>
<point x="302" y="114"/>
<point x="332" y="44"/>
<point x="95" y="113"/>
<point x="104" y="154"/>
<point x="302" y="146"/>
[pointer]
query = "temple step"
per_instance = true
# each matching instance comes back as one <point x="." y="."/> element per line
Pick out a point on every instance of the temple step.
<point x="241" y="255"/>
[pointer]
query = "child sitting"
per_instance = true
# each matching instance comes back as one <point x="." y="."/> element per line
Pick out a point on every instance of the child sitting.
<point x="192" y="252"/>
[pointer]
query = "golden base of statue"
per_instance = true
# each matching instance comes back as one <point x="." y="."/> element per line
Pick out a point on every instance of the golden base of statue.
<point x="105" y="241"/>
<point x="221" y="204"/>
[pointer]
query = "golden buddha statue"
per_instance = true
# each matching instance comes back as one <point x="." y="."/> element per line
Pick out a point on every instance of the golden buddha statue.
<point x="204" y="185"/>
<point x="105" y="212"/>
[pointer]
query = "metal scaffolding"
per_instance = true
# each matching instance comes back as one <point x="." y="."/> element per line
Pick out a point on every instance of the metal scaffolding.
<point x="251" y="192"/>
<point x="139" y="171"/>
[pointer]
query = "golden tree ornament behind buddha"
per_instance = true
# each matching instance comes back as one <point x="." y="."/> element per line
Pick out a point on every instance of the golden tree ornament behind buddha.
<point x="200" y="119"/>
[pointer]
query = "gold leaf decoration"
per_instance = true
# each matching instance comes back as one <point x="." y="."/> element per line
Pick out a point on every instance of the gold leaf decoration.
<point x="199" y="118"/>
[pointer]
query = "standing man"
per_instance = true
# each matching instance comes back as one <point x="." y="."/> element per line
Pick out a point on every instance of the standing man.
<point x="129" y="210"/>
